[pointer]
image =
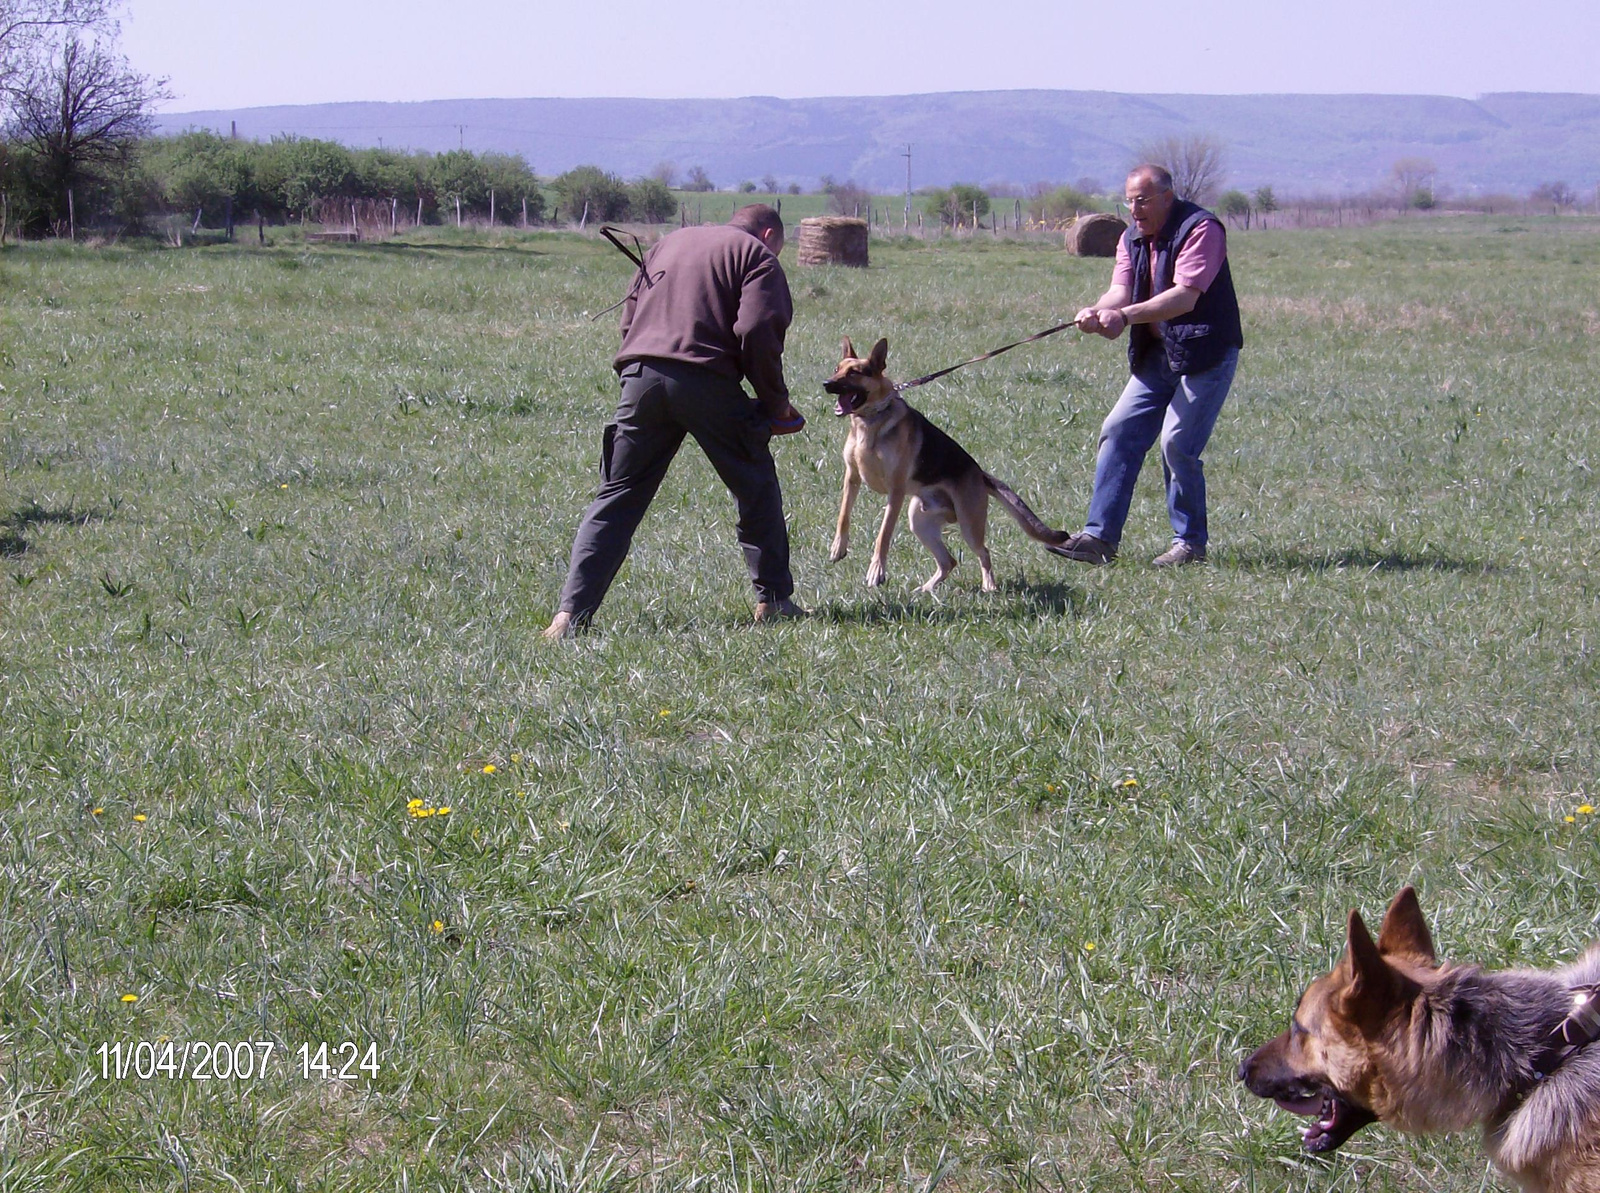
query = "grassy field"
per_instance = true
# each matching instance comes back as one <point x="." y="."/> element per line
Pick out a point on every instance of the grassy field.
<point x="973" y="892"/>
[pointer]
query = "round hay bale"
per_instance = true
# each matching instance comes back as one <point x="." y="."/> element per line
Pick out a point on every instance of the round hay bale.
<point x="833" y="240"/>
<point x="1094" y="235"/>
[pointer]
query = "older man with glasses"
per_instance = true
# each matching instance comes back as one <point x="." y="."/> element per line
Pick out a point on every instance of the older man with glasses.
<point x="1172" y="289"/>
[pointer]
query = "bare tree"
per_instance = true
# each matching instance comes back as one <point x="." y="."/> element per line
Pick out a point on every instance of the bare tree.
<point x="1413" y="176"/>
<point x="29" y="29"/>
<point x="1556" y="194"/>
<point x="1195" y="163"/>
<point x="666" y="173"/>
<point x="81" y="113"/>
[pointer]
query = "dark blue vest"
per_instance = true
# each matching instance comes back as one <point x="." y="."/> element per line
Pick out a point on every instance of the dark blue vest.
<point x="1194" y="342"/>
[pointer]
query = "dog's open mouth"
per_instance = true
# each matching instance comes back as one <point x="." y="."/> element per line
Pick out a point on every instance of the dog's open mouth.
<point x="848" y="397"/>
<point x="1334" y="1120"/>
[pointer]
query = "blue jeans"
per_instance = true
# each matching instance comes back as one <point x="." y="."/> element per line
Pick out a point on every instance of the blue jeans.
<point x="1180" y="411"/>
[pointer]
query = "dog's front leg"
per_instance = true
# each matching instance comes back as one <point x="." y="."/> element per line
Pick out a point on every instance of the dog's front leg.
<point x="879" y="569"/>
<point x="841" y="532"/>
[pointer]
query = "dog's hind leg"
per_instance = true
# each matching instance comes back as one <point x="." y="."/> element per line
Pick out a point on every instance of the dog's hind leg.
<point x="878" y="570"/>
<point x="972" y="514"/>
<point x="928" y="522"/>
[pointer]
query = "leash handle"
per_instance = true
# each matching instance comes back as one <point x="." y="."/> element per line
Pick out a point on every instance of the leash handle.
<point x="611" y="233"/>
<point x="1049" y="331"/>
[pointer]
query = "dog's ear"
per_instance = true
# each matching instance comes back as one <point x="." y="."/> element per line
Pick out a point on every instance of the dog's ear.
<point x="847" y="349"/>
<point x="1376" y="988"/>
<point x="879" y="360"/>
<point x="1404" y="932"/>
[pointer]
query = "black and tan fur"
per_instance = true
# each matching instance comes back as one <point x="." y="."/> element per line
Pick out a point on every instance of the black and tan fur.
<point x="1396" y="1036"/>
<point x="898" y="452"/>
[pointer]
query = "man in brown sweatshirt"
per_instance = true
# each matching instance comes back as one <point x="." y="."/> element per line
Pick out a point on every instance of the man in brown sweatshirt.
<point x="709" y="307"/>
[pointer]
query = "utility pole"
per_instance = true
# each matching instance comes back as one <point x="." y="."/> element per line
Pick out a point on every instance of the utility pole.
<point x="907" y="156"/>
<point x="461" y="136"/>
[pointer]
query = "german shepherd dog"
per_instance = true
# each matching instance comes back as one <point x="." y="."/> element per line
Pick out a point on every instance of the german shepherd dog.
<point x="1394" y="1035"/>
<point x="898" y="452"/>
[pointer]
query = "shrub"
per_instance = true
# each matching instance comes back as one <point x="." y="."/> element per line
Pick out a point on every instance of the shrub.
<point x="603" y="195"/>
<point x="652" y="201"/>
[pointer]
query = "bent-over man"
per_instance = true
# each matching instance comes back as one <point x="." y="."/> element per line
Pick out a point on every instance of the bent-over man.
<point x="1172" y="289"/>
<point x="710" y="306"/>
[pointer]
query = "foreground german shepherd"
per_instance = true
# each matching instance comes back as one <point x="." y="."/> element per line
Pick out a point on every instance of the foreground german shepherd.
<point x="1393" y="1035"/>
<point x="899" y="452"/>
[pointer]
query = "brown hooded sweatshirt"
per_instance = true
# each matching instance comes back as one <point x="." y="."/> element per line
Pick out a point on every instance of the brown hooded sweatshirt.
<point x="716" y="297"/>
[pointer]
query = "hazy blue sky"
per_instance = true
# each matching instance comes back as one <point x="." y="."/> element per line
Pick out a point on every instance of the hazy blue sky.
<point x="297" y="51"/>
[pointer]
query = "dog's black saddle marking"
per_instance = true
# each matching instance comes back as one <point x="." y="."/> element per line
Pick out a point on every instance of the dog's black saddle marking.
<point x="941" y="457"/>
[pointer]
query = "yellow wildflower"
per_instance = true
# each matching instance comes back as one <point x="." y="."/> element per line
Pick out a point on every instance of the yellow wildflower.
<point x="665" y="712"/>
<point x="438" y="926"/>
<point x="488" y="768"/>
<point x="1570" y="819"/>
<point x="413" y="803"/>
<point x="1129" y="782"/>
<point x="516" y="758"/>
<point x="140" y="817"/>
<point x="97" y="812"/>
<point x="130" y="998"/>
<point x="1585" y="809"/>
<point x="1088" y="946"/>
<point x="444" y="811"/>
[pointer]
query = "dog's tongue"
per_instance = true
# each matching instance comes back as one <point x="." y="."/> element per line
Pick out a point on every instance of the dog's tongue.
<point x="844" y="405"/>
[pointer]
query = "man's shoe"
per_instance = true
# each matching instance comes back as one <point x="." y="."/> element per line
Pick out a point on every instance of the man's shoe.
<point x="778" y="610"/>
<point x="1179" y="555"/>
<point x="561" y="626"/>
<point x="1085" y="548"/>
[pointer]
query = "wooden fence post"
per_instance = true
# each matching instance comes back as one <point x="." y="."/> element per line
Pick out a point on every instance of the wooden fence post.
<point x="72" y="217"/>
<point x="229" y="218"/>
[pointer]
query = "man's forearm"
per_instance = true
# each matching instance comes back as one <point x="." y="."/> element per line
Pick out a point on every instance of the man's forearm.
<point x="1169" y="304"/>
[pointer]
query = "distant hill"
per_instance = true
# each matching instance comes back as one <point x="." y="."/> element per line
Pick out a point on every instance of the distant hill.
<point x="1300" y="144"/>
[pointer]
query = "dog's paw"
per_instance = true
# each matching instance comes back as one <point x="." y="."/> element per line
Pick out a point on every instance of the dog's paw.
<point x="876" y="574"/>
<point x="838" y="551"/>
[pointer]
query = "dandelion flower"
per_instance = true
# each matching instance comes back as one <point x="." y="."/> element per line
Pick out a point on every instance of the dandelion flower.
<point x="97" y="812"/>
<point x="130" y="998"/>
<point x="665" y="712"/>
<point x="438" y="926"/>
<point x="413" y="803"/>
<point x="283" y="486"/>
<point x="140" y="817"/>
<point x="1585" y="809"/>
<point x="1570" y="819"/>
<point x="1088" y="946"/>
<point x="444" y="811"/>
<point x="1129" y="782"/>
<point x="489" y="768"/>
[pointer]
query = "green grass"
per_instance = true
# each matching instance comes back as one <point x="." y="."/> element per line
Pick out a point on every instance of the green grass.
<point x="865" y="901"/>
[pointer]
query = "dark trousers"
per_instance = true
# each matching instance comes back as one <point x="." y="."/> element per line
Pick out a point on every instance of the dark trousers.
<point x="663" y="400"/>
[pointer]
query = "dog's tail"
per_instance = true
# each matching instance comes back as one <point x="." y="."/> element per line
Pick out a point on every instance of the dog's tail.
<point x="1030" y="522"/>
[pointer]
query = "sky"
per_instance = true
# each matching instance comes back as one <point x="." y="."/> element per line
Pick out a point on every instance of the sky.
<point x="300" y="51"/>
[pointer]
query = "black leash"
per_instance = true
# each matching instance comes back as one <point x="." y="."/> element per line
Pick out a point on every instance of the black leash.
<point x="1049" y="331"/>
<point x="636" y="255"/>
